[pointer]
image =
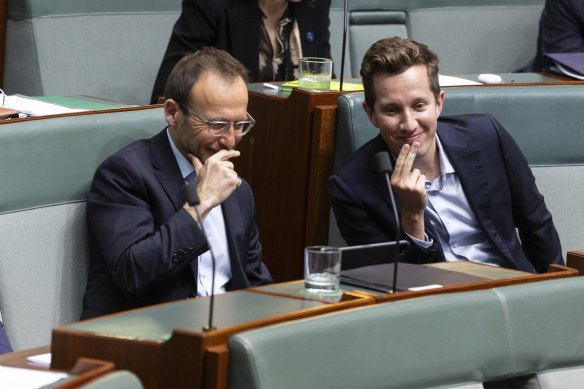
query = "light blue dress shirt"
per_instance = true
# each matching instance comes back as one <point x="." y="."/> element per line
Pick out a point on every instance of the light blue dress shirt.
<point x="458" y="230"/>
<point x="214" y="226"/>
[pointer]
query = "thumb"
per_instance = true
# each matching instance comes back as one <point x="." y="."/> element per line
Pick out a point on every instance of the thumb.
<point x="198" y="165"/>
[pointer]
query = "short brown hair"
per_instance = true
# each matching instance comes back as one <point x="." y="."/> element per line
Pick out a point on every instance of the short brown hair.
<point x="188" y="70"/>
<point x="394" y="56"/>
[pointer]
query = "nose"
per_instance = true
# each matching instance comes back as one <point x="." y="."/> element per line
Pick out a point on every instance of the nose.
<point x="228" y="139"/>
<point x="408" y="121"/>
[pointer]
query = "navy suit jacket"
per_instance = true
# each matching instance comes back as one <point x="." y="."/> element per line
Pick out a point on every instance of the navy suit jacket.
<point x="144" y="246"/>
<point x="561" y="30"/>
<point x="234" y="26"/>
<point x="495" y="177"/>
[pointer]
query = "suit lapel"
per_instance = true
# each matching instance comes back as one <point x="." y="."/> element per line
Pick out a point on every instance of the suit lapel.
<point x="469" y="165"/>
<point x="166" y="169"/>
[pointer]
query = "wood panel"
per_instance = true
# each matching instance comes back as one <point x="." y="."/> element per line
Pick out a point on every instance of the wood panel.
<point x="276" y="160"/>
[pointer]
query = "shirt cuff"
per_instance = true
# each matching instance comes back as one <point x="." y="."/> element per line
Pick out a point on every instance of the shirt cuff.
<point x="425" y="244"/>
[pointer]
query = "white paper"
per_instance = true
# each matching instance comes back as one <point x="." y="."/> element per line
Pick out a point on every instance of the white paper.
<point x="425" y="287"/>
<point x="455" y="81"/>
<point x="14" y="377"/>
<point x="40" y="360"/>
<point x="34" y="107"/>
<point x="566" y="71"/>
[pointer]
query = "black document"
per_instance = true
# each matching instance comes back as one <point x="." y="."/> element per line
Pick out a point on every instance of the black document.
<point x="380" y="277"/>
<point x="566" y="64"/>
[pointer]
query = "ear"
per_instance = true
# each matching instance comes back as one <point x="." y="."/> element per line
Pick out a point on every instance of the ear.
<point x="439" y="103"/>
<point x="172" y="112"/>
<point x="370" y="114"/>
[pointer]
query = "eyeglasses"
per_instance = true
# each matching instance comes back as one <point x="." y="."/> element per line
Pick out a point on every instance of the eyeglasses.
<point x="220" y="127"/>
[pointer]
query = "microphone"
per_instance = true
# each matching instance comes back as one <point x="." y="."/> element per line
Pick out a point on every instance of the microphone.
<point x="192" y="197"/>
<point x="345" y="17"/>
<point x="384" y="167"/>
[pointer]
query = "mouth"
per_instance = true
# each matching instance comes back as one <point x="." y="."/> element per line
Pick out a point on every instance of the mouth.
<point x="411" y="138"/>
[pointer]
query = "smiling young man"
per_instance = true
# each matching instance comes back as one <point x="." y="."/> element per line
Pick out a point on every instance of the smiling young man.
<point x="146" y="243"/>
<point x="463" y="188"/>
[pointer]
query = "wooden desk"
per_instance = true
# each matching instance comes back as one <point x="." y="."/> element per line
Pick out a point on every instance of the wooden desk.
<point x="491" y="277"/>
<point x="165" y="345"/>
<point x="89" y="105"/>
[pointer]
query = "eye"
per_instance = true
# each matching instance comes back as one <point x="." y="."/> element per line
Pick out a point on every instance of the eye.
<point x="238" y="126"/>
<point x="390" y="111"/>
<point x="218" y="125"/>
<point x="420" y="106"/>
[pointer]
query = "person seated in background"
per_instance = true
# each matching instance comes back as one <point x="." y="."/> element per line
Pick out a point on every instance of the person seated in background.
<point x="267" y="36"/>
<point x="146" y="242"/>
<point x="4" y="343"/>
<point x="561" y="30"/>
<point x="463" y="188"/>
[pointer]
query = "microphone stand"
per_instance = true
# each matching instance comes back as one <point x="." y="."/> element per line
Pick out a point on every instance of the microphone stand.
<point x="385" y="168"/>
<point x="193" y="200"/>
<point x="345" y="17"/>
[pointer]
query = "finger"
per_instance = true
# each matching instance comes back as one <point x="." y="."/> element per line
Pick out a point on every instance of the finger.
<point x="411" y="157"/>
<point x="399" y="163"/>
<point x="224" y="154"/>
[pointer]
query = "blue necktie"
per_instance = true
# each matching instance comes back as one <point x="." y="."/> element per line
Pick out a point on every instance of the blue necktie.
<point x="191" y="178"/>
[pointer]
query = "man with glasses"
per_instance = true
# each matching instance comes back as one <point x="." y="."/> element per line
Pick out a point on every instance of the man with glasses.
<point x="147" y="243"/>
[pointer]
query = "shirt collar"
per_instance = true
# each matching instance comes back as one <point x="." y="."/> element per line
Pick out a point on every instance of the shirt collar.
<point x="186" y="168"/>
<point x="445" y="168"/>
<point x="445" y="165"/>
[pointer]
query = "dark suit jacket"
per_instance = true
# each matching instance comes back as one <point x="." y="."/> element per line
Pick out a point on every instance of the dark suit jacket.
<point x="144" y="245"/>
<point x="234" y="26"/>
<point x="561" y="30"/>
<point x="495" y="177"/>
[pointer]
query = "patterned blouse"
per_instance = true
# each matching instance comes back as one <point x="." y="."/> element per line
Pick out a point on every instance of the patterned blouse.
<point x="280" y="63"/>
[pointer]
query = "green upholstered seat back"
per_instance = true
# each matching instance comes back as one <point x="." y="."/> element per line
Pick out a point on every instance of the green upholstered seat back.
<point x="46" y="168"/>
<point x="109" y="49"/>
<point x="469" y="36"/>
<point x="451" y="340"/>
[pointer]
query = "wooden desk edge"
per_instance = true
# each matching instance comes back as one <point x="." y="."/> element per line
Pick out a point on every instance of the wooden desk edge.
<point x="81" y="113"/>
<point x="84" y="370"/>
<point x="575" y="260"/>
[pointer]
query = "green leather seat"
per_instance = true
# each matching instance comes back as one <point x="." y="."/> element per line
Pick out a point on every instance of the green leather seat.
<point x="46" y="168"/>
<point x="522" y="336"/>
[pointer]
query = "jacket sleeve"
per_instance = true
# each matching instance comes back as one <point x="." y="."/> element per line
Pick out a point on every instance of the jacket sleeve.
<point x="361" y="222"/>
<point x="141" y="248"/>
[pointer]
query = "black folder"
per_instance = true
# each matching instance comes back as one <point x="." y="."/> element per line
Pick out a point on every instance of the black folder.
<point x="380" y="277"/>
<point x="372" y="254"/>
<point x="566" y="64"/>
